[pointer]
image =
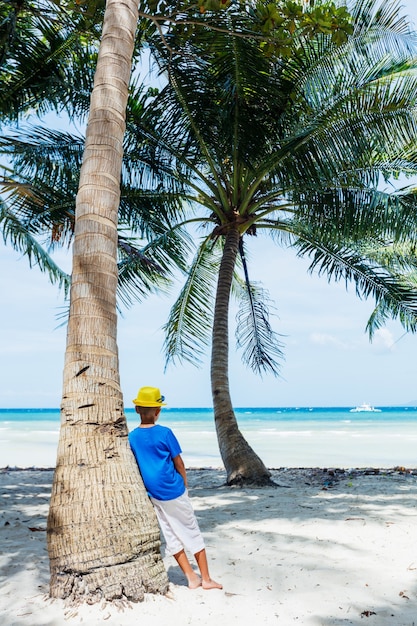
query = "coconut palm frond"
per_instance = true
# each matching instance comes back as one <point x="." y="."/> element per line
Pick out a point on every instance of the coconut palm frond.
<point x="150" y="268"/>
<point x="44" y="182"/>
<point x="48" y="61"/>
<point x="356" y="100"/>
<point x="188" y="329"/>
<point x="43" y="152"/>
<point x="385" y="311"/>
<point x="149" y="213"/>
<point x="399" y="257"/>
<point x="254" y="333"/>
<point x="22" y="240"/>
<point x="346" y="262"/>
<point x="261" y="347"/>
<point x="357" y="213"/>
<point x="400" y="260"/>
<point x="371" y="14"/>
<point x="46" y="212"/>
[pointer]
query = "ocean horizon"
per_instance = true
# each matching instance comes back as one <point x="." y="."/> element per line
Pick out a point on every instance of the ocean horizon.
<point x="281" y="436"/>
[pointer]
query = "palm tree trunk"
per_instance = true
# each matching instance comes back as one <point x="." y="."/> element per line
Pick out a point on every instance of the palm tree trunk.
<point x="242" y="464"/>
<point x="103" y="537"/>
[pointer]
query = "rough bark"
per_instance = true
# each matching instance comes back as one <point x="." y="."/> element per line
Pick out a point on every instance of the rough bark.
<point x="103" y="537"/>
<point x="243" y="466"/>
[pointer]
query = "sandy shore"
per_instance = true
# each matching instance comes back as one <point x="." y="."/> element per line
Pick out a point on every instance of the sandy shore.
<point x="324" y="548"/>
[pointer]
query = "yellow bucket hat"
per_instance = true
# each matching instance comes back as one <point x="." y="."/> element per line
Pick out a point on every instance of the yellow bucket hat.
<point x="149" y="396"/>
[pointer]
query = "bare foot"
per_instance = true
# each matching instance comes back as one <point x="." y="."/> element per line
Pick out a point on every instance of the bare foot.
<point x="194" y="582"/>
<point x="211" y="584"/>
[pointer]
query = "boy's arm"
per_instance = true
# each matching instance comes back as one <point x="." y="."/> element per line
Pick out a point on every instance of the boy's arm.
<point x="180" y="467"/>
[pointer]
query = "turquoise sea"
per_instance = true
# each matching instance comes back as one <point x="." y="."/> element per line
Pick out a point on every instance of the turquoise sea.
<point x="282" y="437"/>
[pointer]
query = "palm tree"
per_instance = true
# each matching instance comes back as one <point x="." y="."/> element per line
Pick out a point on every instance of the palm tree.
<point x="103" y="539"/>
<point x="295" y="146"/>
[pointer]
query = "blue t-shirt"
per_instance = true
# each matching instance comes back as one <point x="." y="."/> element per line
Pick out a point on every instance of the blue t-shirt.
<point x="154" y="448"/>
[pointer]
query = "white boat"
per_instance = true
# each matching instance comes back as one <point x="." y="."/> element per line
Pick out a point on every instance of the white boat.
<point x="365" y="408"/>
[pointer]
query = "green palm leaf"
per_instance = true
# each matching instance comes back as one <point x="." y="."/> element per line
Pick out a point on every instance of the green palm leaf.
<point x="150" y="268"/>
<point x="187" y="331"/>
<point x="348" y="263"/>
<point x="261" y="347"/>
<point x="254" y="333"/>
<point x="15" y="233"/>
<point x="48" y="58"/>
<point x="43" y="189"/>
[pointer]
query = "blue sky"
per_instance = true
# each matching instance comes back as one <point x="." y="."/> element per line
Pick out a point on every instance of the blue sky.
<point x="329" y="360"/>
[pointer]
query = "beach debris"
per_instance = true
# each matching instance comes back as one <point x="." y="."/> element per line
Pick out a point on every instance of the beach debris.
<point x="367" y="613"/>
<point x="402" y="594"/>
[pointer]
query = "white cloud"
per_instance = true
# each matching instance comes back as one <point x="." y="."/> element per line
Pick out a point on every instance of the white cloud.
<point x="383" y="340"/>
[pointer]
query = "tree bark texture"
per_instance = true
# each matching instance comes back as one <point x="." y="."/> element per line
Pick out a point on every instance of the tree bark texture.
<point x="103" y="536"/>
<point x="242" y="464"/>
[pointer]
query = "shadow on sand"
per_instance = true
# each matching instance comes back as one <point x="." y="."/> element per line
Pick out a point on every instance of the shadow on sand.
<point x="281" y="521"/>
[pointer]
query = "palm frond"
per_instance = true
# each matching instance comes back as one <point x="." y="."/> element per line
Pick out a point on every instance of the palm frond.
<point x="384" y="310"/>
<point x="187" y="331"/>
<point x="151" y="267"/>
<point x="22" y="240"/>
<point x="45" y="212"/>
<point x="43" y="182"/>
<point x="49" y="60"/>
<point x="356" y="213"/>
<point x="400" y="260"/>
<point x="261" y="347"/>
<point x="254" y="333"/>
<point x="399" y="257"/>
<point x="393" y="293"/>
<point x="352" y="102"/>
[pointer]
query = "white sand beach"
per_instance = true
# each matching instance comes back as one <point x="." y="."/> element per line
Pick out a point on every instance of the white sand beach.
<point x="324" y="548"/>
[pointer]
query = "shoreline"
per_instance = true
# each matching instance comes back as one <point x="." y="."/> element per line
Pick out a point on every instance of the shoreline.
<point x="296" y="438"/>
<point x="327" y="547"/>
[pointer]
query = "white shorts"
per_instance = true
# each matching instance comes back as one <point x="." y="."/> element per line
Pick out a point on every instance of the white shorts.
<point x="179" y="525"/>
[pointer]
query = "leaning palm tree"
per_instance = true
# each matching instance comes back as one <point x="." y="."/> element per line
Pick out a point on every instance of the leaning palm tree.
<point x="110" y="548"/>
<point x="103" y="539"/>
<point x="294" y="145"/>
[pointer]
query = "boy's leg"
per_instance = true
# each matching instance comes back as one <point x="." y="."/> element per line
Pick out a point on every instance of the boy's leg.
<point x="206" y="582"/>
<point x="194" y="580"/>
<point x="179" y="525"/>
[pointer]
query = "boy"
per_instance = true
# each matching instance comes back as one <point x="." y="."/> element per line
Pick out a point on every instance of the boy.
<point x="158" y="455"/>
